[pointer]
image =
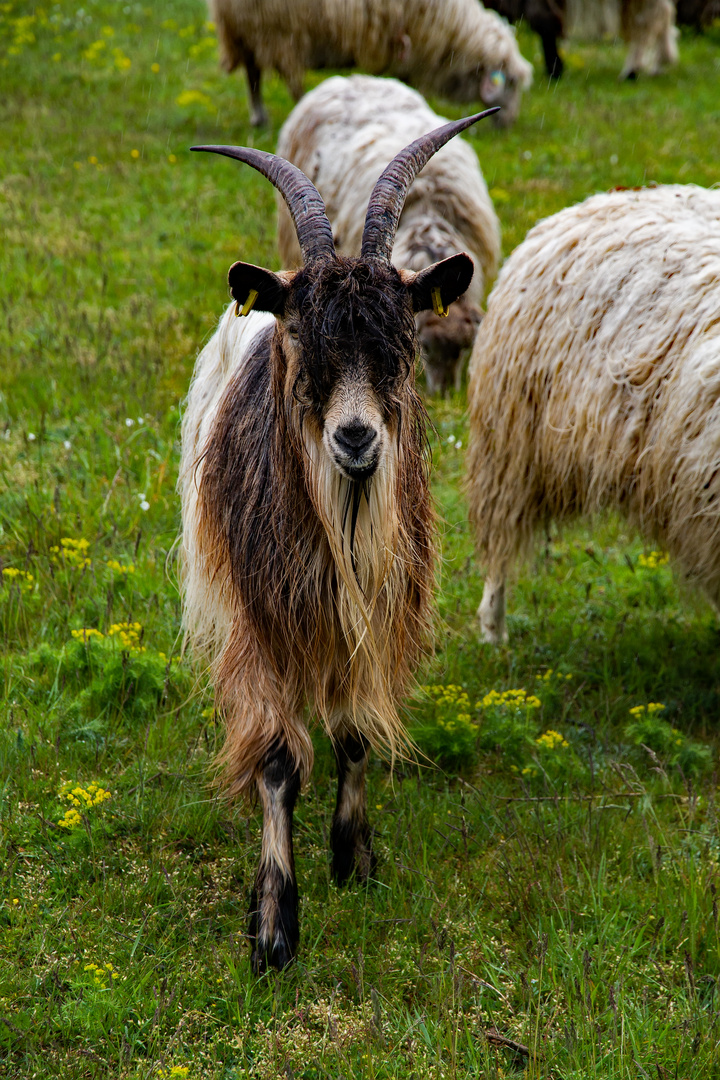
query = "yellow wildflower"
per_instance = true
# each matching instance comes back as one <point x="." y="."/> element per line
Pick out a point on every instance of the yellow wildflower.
<point x="654" y="559"/>
<point x="20" y="578"/>
<point x="86" y="633"/>
<point x="70" y="551"/>
<point x="120" y="568"/>
<point x="509" y="699"/>
<point x="646" y="710"/>
<point x="551" y="740"/>
<point x="128" y="635"/>
<point x="194" y="97"/>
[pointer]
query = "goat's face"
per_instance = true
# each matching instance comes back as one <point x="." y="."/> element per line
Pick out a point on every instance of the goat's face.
<point x="346" y="331"/>
<point x="349" y="343"/>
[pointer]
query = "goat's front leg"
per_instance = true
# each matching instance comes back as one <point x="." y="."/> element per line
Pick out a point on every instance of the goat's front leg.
<point x="274" y="928"/>
<point x="351" y="838"/>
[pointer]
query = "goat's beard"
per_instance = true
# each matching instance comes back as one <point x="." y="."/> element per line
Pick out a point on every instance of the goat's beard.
<point x="361" y="522"/>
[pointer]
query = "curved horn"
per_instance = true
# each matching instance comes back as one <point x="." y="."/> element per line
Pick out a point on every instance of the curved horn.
<point x="302" y="197"/>
<point x="388" y="197"/>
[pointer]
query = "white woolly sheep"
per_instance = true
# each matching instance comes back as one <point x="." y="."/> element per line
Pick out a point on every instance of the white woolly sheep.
<point x="595" y="382"/>
<point x="648" y="27"/>
<point x="340" y="135"/>
<point x="308" y="543"/>
<point x="454" y="48"/>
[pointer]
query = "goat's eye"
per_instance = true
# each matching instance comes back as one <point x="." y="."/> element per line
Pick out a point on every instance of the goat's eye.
<point x="293" y="337"/>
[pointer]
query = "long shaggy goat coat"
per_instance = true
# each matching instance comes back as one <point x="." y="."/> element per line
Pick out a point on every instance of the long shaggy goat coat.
<point x="444" y="46"/>
<point x="595" y="379"/>
<point x="305" y="586"/>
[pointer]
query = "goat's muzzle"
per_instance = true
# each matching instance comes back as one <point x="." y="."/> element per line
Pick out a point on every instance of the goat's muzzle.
<point x="356" y="449"/>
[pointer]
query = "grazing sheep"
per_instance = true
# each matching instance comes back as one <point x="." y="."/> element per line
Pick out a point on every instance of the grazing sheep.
<point x="308" y="532"/>
<point x="595" y="382"/>
<point x="454" y="48"/>
<point x="545" y="17"/>
<point x="340" y="135"/>
<point x="648" y="27"/>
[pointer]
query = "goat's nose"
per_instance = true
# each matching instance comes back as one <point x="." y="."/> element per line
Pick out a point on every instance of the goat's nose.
<point x="355" y="438"/>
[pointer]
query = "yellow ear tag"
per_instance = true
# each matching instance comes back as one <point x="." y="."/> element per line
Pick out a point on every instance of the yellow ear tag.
<point x="248" y="305"/>
<point x="438" y="306"/>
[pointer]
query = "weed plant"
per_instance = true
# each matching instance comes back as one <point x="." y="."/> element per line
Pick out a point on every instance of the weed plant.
<point x="546" y="898"/>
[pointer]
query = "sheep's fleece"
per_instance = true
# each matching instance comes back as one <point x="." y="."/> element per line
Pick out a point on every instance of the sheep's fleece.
<point x="595" y="382"/>
<point x="449" y="47"/>
<point x="343" y="134"/>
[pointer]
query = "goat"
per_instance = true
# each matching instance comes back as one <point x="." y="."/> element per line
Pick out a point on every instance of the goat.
<point x="340" y="135"/>
<point x="594" y="383"/>
<point x="308" y="542"/>
<point x="455" y="49"/>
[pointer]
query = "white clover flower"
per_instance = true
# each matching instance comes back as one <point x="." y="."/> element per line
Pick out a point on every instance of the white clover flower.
<point x="144" y="505"/>
<point x="129" y="422"/>
<point x="67" y="444"/>
<point x="613" y="159"/>
<point x="141" y="494"/>
<point x="527" y="155"/>
<point x="458" y="445"/>
<point x="31" y="437"/>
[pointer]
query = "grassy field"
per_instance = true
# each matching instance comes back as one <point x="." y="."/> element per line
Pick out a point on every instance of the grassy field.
<point x="546" y="900"/>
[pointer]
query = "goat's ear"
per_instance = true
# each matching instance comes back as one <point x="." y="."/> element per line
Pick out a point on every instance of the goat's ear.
<point x="438" y="285"/>
<point x="270" y="290"/>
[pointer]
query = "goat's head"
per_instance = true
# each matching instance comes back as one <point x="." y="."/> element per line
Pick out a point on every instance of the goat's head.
<point x="345" y="326"/>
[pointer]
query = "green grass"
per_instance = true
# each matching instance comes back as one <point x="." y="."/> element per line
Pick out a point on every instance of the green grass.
<point x="560" y="896"/>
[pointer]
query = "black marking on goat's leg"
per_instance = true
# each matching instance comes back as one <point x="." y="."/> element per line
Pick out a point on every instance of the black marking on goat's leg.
<point x="350" y="837"/>
<point x="274" y="927"/>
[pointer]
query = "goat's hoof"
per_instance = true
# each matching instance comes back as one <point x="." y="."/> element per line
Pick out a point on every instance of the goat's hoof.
<point x="271" y="954"/>
<point x="353" y="858"/>
<point x="360" y="866"/>
<point x="274" y="928"/>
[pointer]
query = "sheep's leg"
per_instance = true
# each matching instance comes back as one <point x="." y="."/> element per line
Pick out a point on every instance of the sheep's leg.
<point x="492" y="611"/>
<point x="274" y="929"/>
<point x="553" y="61"/>
<point x="667" y="45"/>
<point x="258" y="112"/>
<point x="350" y="837"/>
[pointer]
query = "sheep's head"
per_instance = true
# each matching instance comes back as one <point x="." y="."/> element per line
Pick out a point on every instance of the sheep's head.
<point x="443" y="343"/>
<point x="464" y="79"/>
<point x="346" y="326"/>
